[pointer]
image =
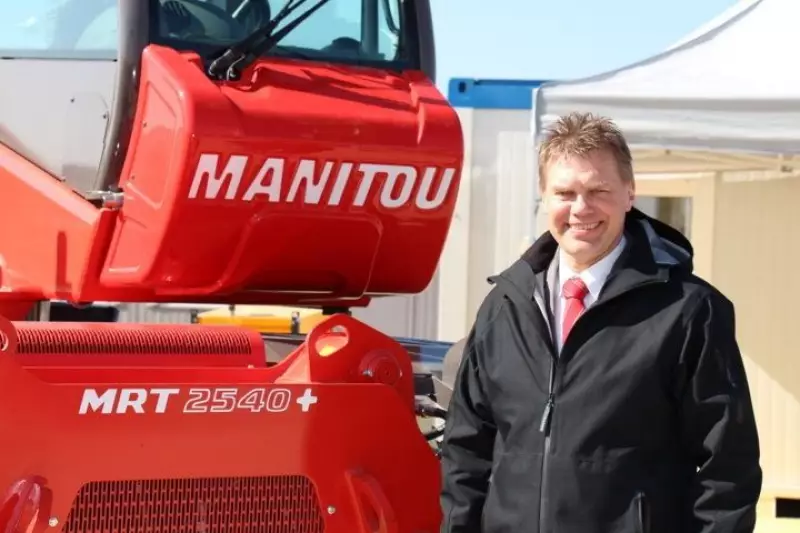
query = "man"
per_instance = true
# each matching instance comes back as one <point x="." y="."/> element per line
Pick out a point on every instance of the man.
<point x="601" y="388"/>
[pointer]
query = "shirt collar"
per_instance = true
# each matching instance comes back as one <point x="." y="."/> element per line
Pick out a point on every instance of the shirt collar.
<point x="595" y="276"/>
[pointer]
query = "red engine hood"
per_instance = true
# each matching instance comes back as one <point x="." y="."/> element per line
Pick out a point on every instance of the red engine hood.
<point x="300" y="183"/>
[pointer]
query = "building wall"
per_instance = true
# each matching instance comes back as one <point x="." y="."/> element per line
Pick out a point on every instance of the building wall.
<point x="495" y="217"/>
<point x="756" y="254"/>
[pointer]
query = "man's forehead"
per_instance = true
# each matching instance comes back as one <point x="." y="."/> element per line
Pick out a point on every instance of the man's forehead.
<point x="596" y="161"/>
<point x="594" y="167"/>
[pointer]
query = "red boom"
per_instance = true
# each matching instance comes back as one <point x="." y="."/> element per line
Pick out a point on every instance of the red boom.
<point x="227" y="198"/>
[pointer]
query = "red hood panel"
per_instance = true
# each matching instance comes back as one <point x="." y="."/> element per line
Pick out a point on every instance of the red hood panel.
<point x="300" y="178"/>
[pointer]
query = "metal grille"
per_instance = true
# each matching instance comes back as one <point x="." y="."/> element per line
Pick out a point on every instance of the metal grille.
<point x="130" y="340"/>
<point x="278" y="504"/>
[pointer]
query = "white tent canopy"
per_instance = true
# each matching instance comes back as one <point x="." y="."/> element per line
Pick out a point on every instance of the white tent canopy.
<point x="727" y="97"/>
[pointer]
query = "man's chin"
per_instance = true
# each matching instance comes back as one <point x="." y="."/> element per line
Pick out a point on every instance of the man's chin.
<point x="581" y="247"/>
<point x="582" y="252"/>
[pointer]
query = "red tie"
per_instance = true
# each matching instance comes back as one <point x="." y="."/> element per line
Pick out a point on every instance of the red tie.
<point x="574" y="292"/>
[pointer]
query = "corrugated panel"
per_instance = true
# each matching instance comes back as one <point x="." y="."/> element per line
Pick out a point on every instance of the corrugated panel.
<point x="516" y="195"/>
<point x="243" y="505"/>
<point x="755" y="264"/>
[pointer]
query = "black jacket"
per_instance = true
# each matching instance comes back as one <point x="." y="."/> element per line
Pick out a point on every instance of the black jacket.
<point x="643" y="423"/>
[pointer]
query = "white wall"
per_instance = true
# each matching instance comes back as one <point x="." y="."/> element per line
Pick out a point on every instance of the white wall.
<point x="495" y="215"/>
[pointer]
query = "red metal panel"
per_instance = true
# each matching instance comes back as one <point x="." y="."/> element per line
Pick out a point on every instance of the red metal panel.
<point x="338" y="411"/>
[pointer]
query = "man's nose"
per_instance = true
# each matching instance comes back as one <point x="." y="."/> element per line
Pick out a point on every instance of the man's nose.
<point x="580" y="205"/>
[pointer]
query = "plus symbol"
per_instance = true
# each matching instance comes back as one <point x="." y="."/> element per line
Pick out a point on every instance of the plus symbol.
<point x="306" y="400"/>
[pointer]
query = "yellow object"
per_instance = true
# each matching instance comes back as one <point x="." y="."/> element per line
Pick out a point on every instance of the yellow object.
<point x="262" y="318"/>
<point x="327" y="350"/>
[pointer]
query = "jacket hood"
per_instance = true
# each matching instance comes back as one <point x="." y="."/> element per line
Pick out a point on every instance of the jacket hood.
<point x="653" y="246"/>
<point x="668" y="245"/>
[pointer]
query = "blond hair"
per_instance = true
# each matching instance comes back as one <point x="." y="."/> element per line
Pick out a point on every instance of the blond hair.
<point x="578" y="134"/>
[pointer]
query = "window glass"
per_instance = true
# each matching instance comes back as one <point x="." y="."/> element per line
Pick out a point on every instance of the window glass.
<point x="360" y="31"/>
<point x="59" y="29"/>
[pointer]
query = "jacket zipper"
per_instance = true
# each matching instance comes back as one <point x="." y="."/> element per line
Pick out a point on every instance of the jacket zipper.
<point x="544" y="424"/>
<point x="549" y="406"/>
<point x="544" y="427"/>
<point x="643" y="516"/>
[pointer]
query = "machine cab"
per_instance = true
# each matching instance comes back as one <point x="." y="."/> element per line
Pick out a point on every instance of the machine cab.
<point x="70" y="68"/>
<point x="228" y="151"/>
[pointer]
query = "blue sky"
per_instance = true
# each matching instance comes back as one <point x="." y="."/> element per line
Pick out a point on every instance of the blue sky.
<point x="557" y="39"/>
<point x="523" y="39"/>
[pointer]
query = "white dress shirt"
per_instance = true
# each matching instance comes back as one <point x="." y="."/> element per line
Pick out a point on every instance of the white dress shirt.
<point x="594" y="277"/>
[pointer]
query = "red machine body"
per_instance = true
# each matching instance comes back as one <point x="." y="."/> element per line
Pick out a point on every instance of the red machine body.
<point x="228" y="198"/>
<point x="325" y="440"/>
<point x="303" y="183"/>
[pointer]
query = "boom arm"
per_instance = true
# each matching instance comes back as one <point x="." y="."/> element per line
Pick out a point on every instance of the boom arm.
<point x="292" y="186"/>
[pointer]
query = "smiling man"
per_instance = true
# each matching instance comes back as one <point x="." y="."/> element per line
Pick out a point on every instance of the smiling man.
<point x="601" y="388"/>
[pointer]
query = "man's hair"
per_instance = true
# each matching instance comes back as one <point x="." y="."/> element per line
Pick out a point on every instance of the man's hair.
<point x="578" y="134"/>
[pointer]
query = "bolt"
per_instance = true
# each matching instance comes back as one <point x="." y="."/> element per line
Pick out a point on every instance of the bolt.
<point x="331" y="509"/>
<point x="53" y="522"/>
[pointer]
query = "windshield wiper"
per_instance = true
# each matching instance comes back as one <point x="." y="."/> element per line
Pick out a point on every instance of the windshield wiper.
<point x="230" y="61"/>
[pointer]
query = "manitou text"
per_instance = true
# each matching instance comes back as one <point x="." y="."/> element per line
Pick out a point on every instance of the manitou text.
<point x="120" y="401"/>
<point x="320" y="182"/>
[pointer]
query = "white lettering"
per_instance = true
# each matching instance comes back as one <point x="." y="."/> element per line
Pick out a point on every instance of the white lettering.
<point x="422" y="201"/>
<point x="207" y="168"/>
<point x="313" y="183"/>
<point x="306" y="175"/>
<point x="278" y="400"/>
<point x="133" y="398"/>
<point x="163" y="398"/>
<point x="122" y="401"/>
<point x="368" y="172"/>
<point x="196" y="400"/>
<point x="393" y="176"/>
<point x="92" y="401"/>
<point x="307" y="400"/>
<point x="341" y="181"/>
<point x="274" y="168"/>
<point x="227" y="400"/>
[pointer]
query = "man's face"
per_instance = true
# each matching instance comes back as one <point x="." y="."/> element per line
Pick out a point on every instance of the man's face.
<point x="587" y="200"/>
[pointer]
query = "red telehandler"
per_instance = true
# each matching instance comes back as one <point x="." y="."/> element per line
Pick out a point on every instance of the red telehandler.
<point x="216" y="151"/>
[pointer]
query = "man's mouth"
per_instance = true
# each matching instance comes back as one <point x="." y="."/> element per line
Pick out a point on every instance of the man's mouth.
<point x="584" y="227"/>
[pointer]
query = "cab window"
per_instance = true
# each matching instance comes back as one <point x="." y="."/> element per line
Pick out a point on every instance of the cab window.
<point x="346" y="31"/>
<point x="59" y="29"/>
